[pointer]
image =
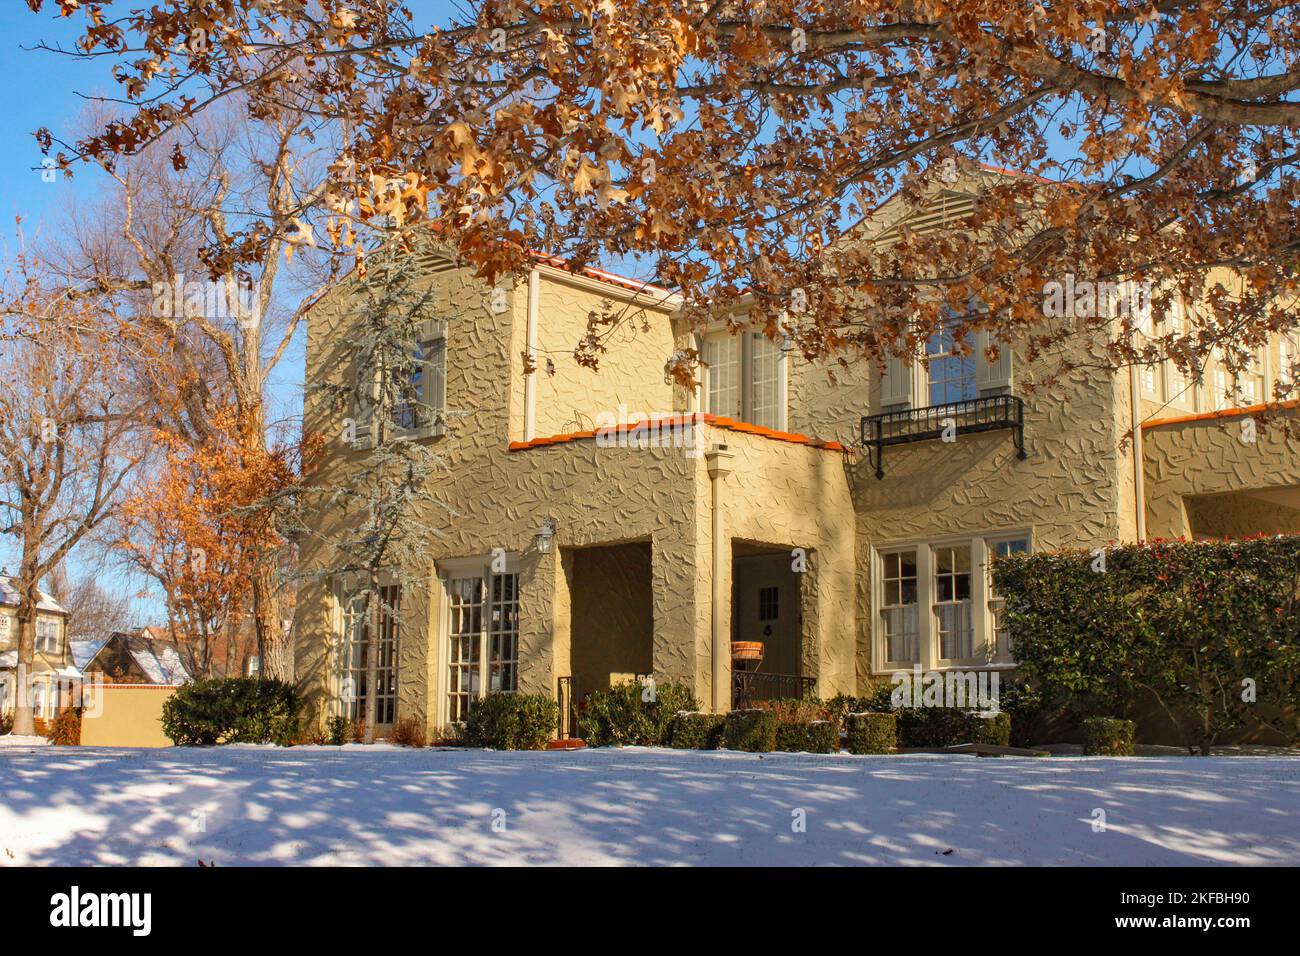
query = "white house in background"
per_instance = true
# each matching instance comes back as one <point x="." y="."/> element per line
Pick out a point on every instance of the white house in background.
<point x="53" y="673"/>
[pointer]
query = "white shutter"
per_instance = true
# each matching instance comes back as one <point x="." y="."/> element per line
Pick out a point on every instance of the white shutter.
<point x="363" y="415"/>
<point x="896" y="382"/>
<point x="992" y="376"/>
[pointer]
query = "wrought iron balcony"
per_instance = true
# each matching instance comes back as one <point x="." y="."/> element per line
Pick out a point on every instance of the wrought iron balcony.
<point x="907" y="425"/>
<point x="749" y="686"/>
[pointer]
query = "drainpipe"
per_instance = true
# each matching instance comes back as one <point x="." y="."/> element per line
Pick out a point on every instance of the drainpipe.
<point x="530" y="380"/>
<point x="719" y="459"/>
<point x="1139" y="488"/>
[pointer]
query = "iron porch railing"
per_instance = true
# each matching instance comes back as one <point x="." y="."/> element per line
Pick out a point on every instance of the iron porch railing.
<point x="749" y="686"/>
<point x="968" y="417"/>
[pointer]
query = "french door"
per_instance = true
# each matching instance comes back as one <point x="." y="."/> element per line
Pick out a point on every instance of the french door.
<point x="483" y="639"/>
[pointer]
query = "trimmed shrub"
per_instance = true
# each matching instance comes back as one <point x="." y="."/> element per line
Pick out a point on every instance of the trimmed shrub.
<point x="65" y="729"/>
<point x="1108" y="736"/>
<point x="871" y="733"/>
<point x="511" y="722"/>
<point x="692" y="730"/>
<point x="244" y="710"/>
<point x="808" y="736"/>
<point x="876" y="700"/>
<point x="949" y="726"/>
<point x="994" y="730"/>
<point x="407" y="732"/>
<point x="6" y="724"/>
<point x="1181" y="620"/>
<point x="632" y="714"/>
<point x="752" y="731"/>
<point x="792" y="710"/>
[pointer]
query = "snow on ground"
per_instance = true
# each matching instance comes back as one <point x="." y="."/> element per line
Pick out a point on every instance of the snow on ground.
<point x="387" y="805"/>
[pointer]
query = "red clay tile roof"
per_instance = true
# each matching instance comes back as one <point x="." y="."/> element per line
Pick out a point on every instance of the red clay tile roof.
<point x="672" y="420"/>
<point x="1222" y="413"/>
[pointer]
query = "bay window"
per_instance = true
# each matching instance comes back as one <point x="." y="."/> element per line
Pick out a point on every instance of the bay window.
<point x="899" y="609"/>
<point x="952" y="605"/>
<point x="47" y="636"/>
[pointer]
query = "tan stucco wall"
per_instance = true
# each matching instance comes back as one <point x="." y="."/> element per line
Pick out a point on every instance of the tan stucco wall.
<point x="127" y="715"/>
<point x="1208" y="457"/>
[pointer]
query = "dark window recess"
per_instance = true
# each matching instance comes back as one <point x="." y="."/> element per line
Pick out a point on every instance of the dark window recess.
<point x="769" y="604"/>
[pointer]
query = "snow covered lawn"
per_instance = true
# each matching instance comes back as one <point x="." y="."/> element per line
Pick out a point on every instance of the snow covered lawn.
<point x="381" y="805"/>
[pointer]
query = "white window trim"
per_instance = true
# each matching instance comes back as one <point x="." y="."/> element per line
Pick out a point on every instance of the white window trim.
<point x="448" y="570"/>
<point x="434" y="330"/>
<point x="338" y="618"/>
<point x="981" y="545"/>
<point x="744" y="362"/>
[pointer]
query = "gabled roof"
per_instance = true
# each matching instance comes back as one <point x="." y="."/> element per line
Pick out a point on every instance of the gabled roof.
<point x="157" y="659"/>
<point x="44" y="602"/>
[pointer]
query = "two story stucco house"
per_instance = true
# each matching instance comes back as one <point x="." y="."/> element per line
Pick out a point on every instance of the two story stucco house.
<point x="784" y="529"/>
<point x="54" y="674"/>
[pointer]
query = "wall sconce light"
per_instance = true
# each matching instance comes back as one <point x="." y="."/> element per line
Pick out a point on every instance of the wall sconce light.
<point x="545" y="535"/>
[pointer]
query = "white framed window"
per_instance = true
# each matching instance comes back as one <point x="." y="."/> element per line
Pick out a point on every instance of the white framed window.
<point x="935" y="604"/>
<point x="423" y="402"/>
<point x="950" y="376"/>
<point x="952" y="602"/>
<point x="352" y="640"/>
<point x="744" y="378"/>
<point x="6" y="629"/>
<point x="47" y="635"/>
<point x="899" y="619"/>
<point x="1288" y="363"/>
<point x="482" y="628"/>
<point x="1001" y="548"/>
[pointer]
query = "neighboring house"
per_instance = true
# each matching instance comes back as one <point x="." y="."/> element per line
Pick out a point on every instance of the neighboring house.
<point x="623" y="560"/>
<point x="132" y="657"/>
<point x="53" y="673"/>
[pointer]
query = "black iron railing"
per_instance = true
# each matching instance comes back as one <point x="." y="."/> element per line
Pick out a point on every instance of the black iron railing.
<point x="968" y="417"/>
<point x="749" y="686"/>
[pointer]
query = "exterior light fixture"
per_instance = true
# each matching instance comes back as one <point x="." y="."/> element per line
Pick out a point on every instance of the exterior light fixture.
<point x="545" y="535"/>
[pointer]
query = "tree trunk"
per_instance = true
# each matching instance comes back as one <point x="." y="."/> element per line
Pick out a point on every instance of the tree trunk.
<point x="24" y="717"/>
<point x="271" y="644"/>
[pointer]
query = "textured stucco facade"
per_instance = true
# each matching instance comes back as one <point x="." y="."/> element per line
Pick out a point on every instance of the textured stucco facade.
<point x="634" y="581"/>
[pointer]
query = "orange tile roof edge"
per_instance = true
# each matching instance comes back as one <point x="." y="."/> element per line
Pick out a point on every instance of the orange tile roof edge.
<point x="1222" y="413"/>
<point x="716" y="421"/>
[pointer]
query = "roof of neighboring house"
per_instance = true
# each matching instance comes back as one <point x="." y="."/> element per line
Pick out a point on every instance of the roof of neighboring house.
<point x="44" y="602"/>
<point x="157" y="659"/>
<point x="8" y="660"/>
<point x="84" y="651"/>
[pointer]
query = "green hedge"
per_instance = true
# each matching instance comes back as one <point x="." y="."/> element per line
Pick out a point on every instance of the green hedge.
<point x="1108" y="736"/>
<point x="244" y="710"/>
<point x="948" y="726"/>
<point x="1210" y="629"/>
<point x="753" y="731"/>
<point x="633" y="714"/>
<point x="511" y="722"/>
<point x="871" y="733"/>
<point x="691" y="730"/>
<point x="808" y="736"/>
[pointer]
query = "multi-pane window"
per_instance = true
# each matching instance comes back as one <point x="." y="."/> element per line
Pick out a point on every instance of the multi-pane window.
<point x="899" y="608"/>
<point x="743" y="378"/>
<point x="1002" y="549"/>
<point x="951" y="376"/>
<point x="421" y="404"/>
<point x="1288" y="362"/>
<point x="483" y="639"/>
<point x="351" y="688"/>
<point x="953" y="602"/>
<point x="769" y="603"/>
<point x="47" y="635"/>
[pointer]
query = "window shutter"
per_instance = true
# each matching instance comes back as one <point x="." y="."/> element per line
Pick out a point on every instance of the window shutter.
<point x="363" y="417"/>
<point x="896" y="382"/>
<point x="994" y="376"/>
<point x="435" y="371"/>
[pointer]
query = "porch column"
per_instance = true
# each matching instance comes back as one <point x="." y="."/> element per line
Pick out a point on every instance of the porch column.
<point x="719" y="460"/>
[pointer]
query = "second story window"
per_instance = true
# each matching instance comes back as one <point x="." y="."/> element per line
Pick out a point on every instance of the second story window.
<point x="422" y="404"/>
<point x="950" y="376"/>
<point x="743" y="378"/>
<point x="47" y="636"/>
